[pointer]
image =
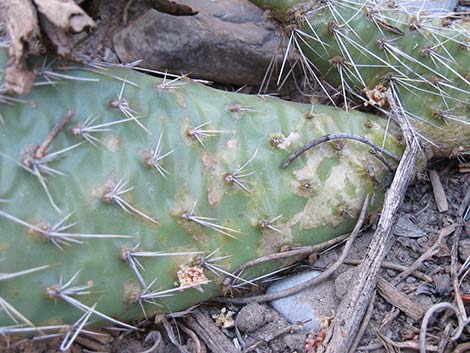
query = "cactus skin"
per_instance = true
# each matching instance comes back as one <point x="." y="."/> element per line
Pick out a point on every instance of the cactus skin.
<point x="318" y="196"/>
<point x="367" y="48"/>
<point x="279" y="7"/>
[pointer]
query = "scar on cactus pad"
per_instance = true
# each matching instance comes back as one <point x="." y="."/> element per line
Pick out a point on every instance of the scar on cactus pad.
<point x="362" y="49"/>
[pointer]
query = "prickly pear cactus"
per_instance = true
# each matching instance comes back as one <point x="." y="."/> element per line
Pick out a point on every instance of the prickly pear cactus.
<point x="123" y="195"/>
<point x="366" y="48"/>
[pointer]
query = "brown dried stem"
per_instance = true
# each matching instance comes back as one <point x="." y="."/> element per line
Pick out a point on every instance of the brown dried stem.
<point x="339" y="136"/>
<point x="41" y="151"/>
<point x="24" y="20"/>
<point x="21" y="22"/>
<point x="393" y="266"/>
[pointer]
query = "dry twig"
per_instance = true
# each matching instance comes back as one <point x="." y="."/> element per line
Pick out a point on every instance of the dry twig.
<point x="301" y="251"/>
<point x="274" y="335"/>
<point x="396" y="267"/>
<point x="400" y="300"/>
<point x="438" y="190"/>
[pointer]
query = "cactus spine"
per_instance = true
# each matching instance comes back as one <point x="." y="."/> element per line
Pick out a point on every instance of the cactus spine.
<point x="365" y="48"/>
<point x="124" y="195"/>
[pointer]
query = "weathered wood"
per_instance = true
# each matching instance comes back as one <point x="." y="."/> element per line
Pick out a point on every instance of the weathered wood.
<point x="24" y="20"/>
<point x="400" y="300"/>
<point x="202" y="324"/>
<point x="21" y="23"/>
<point x="65" y="15"/>
<point x="438" y="190"/>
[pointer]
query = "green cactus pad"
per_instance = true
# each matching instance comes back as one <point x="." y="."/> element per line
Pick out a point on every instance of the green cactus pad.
<point x="364" y="49"/>
<point x="148" y="176"/>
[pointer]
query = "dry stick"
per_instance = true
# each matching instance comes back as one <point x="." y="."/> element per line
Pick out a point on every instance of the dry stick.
<point x="396" y="267"/>
<point x="462" y="348"/>
<point x="304" y="250"/>
<point x="353" y="307"/>
<point x="411" y="345"/>
<point x="408" y="345"/>
<point x="41" y="151"/>
<point x="90" y="343"/>
<point x="154" y="336"/>
<point x="438" y="190"/>
<point x="384" y="160"/>
<point x="400" y="300"/>
<point x="364" y="324"/>
<point x="193" y="336"/>
<point x="336" y="136"/>
<point x="313" y="281"/>
<point x="445" y="337"/>
<point x="426" y="255"/>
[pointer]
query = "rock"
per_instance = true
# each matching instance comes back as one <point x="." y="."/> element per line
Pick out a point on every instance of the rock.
<point x="295" y="342"/>
<point x="464" y="249"/>
<point x="309" y="304"/>
<point x="252" y="317"/>
<point x="343" y="282"/>
<point x="227" y="41"/>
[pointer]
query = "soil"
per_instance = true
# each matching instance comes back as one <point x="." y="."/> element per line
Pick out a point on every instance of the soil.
<point x="258" y="325"/>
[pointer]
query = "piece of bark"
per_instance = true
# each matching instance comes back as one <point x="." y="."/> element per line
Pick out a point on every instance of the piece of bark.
<point x="227" y="41"/>
<point x="21" y="23"/>
<point x="24" y="19"/>
<point x="438" y="190"/>
<point x="18" y="79"/>
<point x="65" y="15"/>
<point x="56" y="37"/>
<point x="174" y="8"/>
<point x="400" y="300"/>
<point x="201" y="323"/>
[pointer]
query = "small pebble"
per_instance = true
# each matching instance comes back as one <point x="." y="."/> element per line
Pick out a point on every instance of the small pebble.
<point x="252" y="317"/>
<point x="310" y="304"/>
